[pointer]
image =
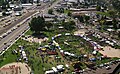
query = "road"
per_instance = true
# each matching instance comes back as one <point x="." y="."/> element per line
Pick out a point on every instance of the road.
<point x="18" y="32"/>
<point x="3" y="30"/>
<point x="11" y="37"/>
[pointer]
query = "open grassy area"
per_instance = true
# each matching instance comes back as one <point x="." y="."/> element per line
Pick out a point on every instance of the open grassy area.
<point x="75" y="44"/>
<point x="8" y="57"/>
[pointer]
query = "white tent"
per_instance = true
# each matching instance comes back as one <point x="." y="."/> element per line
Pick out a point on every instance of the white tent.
<point x="61" y="51"/>
<point x="48" y="72"/>
<point x="94" y="52"/>
<point x="72" y="54"/>
<point x="67" y="65"/>
<point x="24" y="55"/>
<point x="95" y="47"/>
<point x="54" y="69"/>
<point x="23" y="52"/>
<point x="67" y="34"/>
<point x="60" y="27"/>
<point x="59" y="67"/>
<point x="107" y="42"/>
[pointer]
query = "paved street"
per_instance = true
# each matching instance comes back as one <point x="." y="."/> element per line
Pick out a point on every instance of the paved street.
<point x="12" y="36"/>
<point x="3" y="30"/>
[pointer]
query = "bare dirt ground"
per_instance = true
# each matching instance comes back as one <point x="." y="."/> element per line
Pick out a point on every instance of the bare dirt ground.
<point x="15" y="68"/>
<point x="110" y="52"/>
<point x="81" y="31"/>
<point x="36" y="40"/>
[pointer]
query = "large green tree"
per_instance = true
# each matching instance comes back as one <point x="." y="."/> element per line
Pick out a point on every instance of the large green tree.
<point x="37" y="24"/>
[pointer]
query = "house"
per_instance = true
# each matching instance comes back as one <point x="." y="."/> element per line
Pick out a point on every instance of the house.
<point x="1" y="13"/>
<point x="49" y="19"/>
<point x="72" y="1"/>
<point x="49" y="16"/>
<point x="18" y="11"/>
<point x="26" y="5"/>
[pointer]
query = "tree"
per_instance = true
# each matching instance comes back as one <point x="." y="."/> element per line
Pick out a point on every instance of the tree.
<point x="112" y="14"/>
<point x="81" y="19"/>
<point x="102" y="23"/>
<point x="69" y="25"/>
<point x="115" y="23"/>
<point x="48" y="25"/>
<point x="60" y="10"/>
<point x="69" y="13"/>
<point x="5" y="4"/>
<point x="119" y="34"/>
<point x="116" y="4"/>
<point x="50" y="11"/>
<point x="98" y="8"/>
<point x="1" y="2"/>
<point x="86" y="18"/>
<point x="37" y="24"/>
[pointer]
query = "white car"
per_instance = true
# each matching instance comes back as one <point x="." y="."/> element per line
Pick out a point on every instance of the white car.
<point x="107" y="67"/>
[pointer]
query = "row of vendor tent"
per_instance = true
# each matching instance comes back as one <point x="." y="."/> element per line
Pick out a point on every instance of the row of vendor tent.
<point x="94" y="44"/>
<point x="21" y="47"/>
<point x="97" y="58"/>
<point x="67" y="53"/>
<point x="109" y="42"/>
<point x="58" y="35"/>
<point x="23" y="54"/>
<point x="56" y="69"/>
<point x="106" y="40"/>
<point x="73" y="55"/>
<point x="56" y="44"/>
<point x="96" y="35"/>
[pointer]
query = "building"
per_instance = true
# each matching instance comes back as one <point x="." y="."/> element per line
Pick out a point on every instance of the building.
<point x="1" y="14"/>
<point x="74" y="1"/>
<point x="0" y="11"/>
<point x="26" y="1"/>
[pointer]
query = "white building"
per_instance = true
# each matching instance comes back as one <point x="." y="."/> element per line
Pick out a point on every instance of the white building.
<point x="0" y="13"/>
<point x="74" y="1"/>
